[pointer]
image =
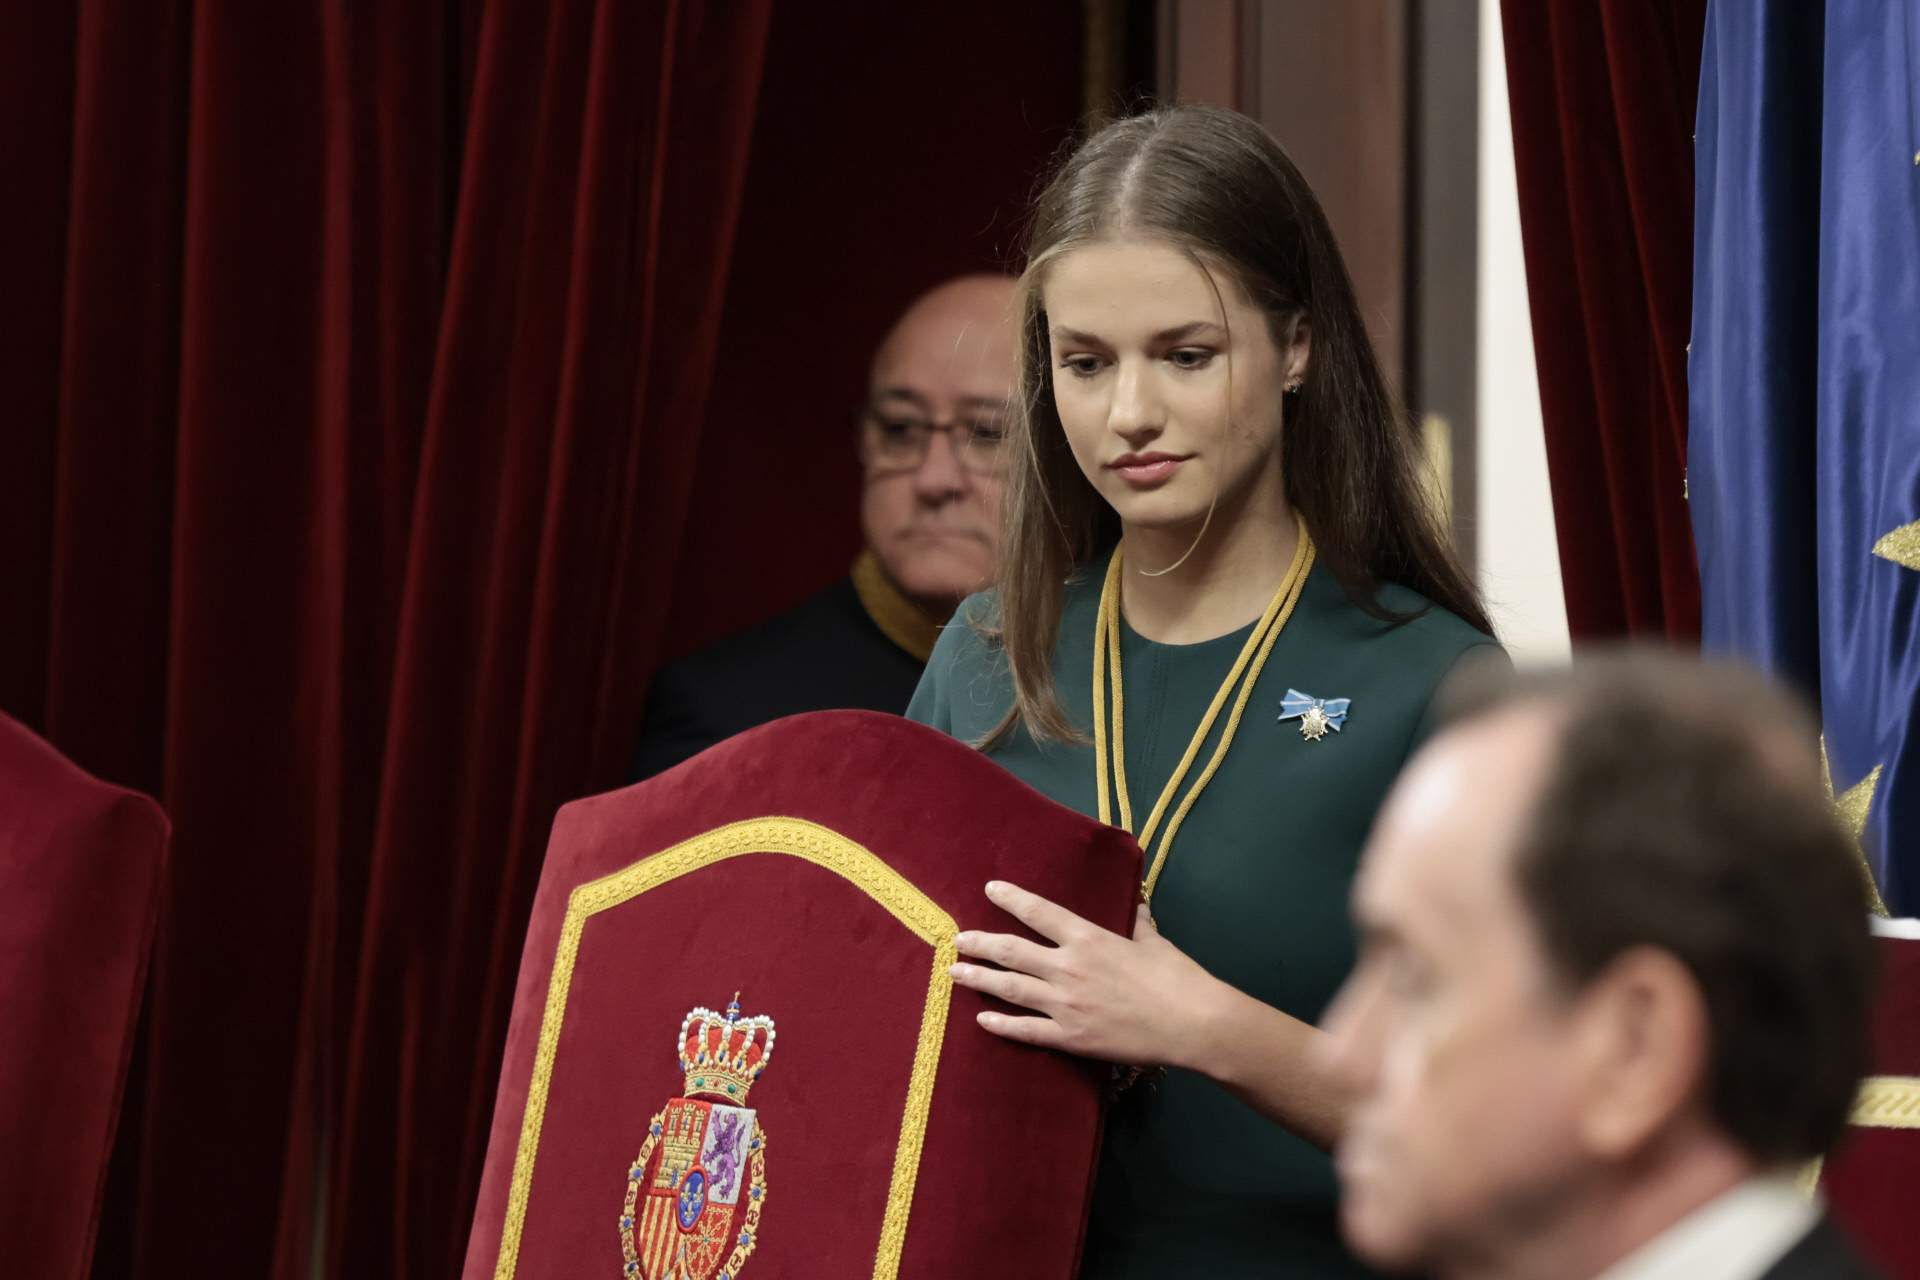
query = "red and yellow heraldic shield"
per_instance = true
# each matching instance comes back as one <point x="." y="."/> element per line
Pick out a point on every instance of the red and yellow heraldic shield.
<point x="804" y="882"/>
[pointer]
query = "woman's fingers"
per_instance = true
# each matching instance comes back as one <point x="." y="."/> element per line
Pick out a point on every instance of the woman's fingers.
<point x="1014" y="988"/>
<point x="1008" y="951"/>
<point x="1050" y="921"/>
<point x="1044" y="1032"/>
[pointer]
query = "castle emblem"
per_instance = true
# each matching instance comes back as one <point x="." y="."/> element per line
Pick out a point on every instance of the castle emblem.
<point x="696" y="1190"/>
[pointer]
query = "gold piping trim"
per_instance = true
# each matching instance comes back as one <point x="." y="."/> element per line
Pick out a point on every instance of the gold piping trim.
<point x="1807" y="1181"/>
<point x="1106" y="659"/>
<point x="809" y="842"/>
<point x="1887" y="1102"/>
<point x="1884" y="1102"/>
<point x="898" y="618"/>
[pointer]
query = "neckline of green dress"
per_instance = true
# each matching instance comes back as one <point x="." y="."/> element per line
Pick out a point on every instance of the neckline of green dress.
<point x="1231" y="639"/>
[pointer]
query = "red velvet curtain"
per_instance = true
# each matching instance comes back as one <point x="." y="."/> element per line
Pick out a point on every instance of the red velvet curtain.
<point x="897" y="145"/>
<point x="1603" y="98"/>
<point x="355" y="359"/>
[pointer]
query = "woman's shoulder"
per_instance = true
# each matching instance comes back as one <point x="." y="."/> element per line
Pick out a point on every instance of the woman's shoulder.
<point x="968" y="649"/>
<point x="965" y="687"/>
<point x="1442" y="646"/>
<point x="1397" y="649"/>
<point x="968" y="631"/>
<point x="975" y="627"/>
<point x="967" y="676"/>
<point x="1428" y="623"/>
<point x="1401" y="625"/>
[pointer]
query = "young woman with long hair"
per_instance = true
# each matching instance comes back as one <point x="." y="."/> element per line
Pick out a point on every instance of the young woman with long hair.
<point x="1223" y="607"/>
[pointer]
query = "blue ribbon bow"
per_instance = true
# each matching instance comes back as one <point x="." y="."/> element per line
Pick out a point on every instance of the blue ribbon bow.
<point x="1297" y="704"/>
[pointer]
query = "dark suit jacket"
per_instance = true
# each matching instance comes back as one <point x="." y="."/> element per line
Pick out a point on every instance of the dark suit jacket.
<point x="1822" y="1254"/>
<point x="825" y="655"/>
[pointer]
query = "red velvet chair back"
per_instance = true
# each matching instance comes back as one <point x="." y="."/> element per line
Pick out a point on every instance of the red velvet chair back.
<point x="848" y="1118"/>
<point x="80" y="865"/>
<point x="1873" y="1180"/>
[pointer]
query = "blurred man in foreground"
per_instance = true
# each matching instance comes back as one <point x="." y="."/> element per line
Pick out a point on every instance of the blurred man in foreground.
<point x="929" y="448"/>
<point x="1614" y="987"/>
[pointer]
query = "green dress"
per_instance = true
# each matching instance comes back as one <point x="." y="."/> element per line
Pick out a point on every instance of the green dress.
<point x="1192" y="1182"/>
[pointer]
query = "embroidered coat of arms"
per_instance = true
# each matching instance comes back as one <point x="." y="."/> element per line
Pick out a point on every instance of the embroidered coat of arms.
<point x="696" y="1190"/>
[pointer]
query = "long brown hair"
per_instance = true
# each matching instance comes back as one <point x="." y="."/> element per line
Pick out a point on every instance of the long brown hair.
<point x="1217" y="185"/>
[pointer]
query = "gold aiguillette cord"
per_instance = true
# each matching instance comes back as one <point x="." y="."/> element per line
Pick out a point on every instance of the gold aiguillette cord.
<point x="1113" y="745"/>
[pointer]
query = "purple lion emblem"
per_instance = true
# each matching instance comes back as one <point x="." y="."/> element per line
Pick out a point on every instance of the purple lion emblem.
<point x="725" y="1170"/>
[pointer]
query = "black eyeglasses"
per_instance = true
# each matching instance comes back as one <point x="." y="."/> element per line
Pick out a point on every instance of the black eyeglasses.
<point x="896" y="441"/>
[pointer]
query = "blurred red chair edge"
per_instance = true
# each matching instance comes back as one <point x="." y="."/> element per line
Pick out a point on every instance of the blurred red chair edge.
<point x="80" y="868"/>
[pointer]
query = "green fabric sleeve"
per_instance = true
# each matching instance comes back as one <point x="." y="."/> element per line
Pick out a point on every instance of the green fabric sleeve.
<point x="1488" y="657"/>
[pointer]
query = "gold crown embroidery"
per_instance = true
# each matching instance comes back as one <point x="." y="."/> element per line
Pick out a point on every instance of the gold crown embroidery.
<point x="696" y="1190"/>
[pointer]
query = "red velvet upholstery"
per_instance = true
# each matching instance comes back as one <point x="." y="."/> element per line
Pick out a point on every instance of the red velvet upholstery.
<point x="80" y="865"/>
<point x="1010" y="1132"/>
<point x="1873" y="1181"/>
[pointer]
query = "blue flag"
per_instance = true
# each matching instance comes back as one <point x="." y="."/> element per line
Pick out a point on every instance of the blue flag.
<point x="1804" y="383"/>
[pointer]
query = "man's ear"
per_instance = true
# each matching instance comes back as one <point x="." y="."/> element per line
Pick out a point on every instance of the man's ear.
<point x="1643" y="1052"/>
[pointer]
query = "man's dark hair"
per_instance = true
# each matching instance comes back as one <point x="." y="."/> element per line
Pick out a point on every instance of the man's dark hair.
<point x="1684" y="811"/>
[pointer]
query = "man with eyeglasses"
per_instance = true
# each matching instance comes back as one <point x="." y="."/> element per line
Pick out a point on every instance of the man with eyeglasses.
<point x="928" y="440"/>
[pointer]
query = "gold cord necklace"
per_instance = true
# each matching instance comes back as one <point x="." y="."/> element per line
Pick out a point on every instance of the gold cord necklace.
<point x="1245" y="672"/>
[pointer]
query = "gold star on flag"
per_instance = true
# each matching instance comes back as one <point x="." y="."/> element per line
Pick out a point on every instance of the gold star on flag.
<point x="1854" y="805"/>
<point x="1902" y="546"/>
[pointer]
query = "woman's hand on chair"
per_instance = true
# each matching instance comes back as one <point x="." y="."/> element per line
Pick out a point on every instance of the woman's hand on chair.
<point x="1136" y="1000"/>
